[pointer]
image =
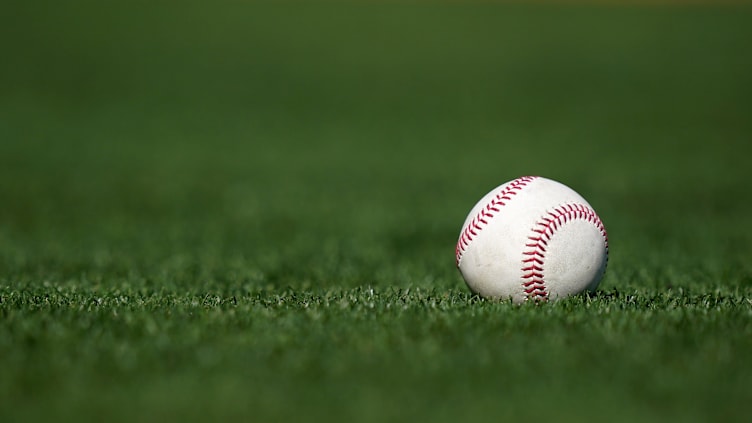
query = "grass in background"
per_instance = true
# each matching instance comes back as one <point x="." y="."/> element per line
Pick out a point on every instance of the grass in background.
<point x="249" y="211"/>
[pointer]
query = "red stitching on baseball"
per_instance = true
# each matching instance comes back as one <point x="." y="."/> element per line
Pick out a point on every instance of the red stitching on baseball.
<point x="534" y="284"/>
<point x="487" y="213"/>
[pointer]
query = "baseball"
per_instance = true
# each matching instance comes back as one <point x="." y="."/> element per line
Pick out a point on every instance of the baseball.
<point x="532" y="239"/>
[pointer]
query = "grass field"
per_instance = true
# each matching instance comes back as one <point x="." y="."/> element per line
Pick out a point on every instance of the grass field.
<point x="248" y="211"/>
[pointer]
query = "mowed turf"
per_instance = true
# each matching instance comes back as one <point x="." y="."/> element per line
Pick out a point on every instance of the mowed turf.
<point x="249" y="211"/>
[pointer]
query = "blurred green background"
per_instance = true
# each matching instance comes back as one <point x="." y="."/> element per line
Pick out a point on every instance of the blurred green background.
<point x="255" y="119"/>
<point x="181" y="150"/>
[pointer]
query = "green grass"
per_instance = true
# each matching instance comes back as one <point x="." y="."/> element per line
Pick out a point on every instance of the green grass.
<point x="249" y="211"/>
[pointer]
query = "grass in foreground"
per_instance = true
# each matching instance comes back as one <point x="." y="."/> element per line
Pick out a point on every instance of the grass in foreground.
<point x="373" y="354"/>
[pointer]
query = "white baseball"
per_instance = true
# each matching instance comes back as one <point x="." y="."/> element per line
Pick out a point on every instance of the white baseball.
<point x="532" y="239"/>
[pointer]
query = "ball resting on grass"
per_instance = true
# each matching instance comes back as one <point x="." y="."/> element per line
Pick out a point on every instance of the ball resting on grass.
<point x="532" y="239"/>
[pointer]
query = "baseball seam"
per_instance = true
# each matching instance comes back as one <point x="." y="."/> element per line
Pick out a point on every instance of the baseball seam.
<point x="486" y="213"/>
<point x="534" y="256"/>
